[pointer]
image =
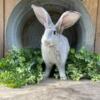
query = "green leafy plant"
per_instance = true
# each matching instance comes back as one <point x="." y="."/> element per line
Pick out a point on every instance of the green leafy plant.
<point x="83" y="64"/>
<point x="21" y="67"/>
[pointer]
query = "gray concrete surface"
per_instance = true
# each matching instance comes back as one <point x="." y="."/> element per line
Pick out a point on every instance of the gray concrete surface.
<point x="24" y="30"/>
<point x="54" y="90"/>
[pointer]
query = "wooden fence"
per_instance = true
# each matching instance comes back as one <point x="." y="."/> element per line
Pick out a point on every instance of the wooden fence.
<point x="6" y="7"/>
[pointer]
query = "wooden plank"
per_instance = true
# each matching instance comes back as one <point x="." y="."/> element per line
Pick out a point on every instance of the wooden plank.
<point x="97" y="45"/>
<point x="1" y="28"/>
<point x="98" y="20"/>
<point x="92" y="6"/>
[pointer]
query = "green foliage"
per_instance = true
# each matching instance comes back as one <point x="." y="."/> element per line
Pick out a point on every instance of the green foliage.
<point x="83" y="64"/>
<point x="21" y="67"/>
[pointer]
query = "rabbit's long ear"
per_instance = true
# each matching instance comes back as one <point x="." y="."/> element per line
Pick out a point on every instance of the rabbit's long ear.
<point x="42" y="15"/>
<point x="66" y="20"/>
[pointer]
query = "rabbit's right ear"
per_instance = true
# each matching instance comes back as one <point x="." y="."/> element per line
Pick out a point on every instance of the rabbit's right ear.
<point x="67" y="19"/>
<point x="42" y="15"/>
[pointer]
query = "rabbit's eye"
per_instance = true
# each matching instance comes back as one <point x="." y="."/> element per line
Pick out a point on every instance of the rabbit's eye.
<point x="55" y="32"/>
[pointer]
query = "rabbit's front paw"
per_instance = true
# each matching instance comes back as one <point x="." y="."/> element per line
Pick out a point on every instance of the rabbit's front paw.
<point x="63" y="78"/>
<point x="45" y="77"/>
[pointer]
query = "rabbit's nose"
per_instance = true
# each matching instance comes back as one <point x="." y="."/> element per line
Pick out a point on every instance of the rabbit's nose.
<point x="46" y="42"/>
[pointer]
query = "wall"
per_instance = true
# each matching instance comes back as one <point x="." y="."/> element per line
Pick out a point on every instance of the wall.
<point x="97" y="45"/>
<point x="6" y="7"/>
<point x="1" y="27"/>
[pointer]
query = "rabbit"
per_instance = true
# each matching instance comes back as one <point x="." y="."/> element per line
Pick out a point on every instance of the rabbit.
<point x="55" y="46"/>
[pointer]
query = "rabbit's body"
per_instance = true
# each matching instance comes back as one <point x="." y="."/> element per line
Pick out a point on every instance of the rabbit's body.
<point x="55" y="53"/>
<point x="54" y="45"/>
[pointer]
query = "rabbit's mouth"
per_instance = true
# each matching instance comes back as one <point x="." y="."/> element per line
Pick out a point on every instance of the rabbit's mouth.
<point x="49" y="44"/>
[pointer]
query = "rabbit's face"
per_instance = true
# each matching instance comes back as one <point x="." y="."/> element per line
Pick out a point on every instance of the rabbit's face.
<point x="51" y="35"/>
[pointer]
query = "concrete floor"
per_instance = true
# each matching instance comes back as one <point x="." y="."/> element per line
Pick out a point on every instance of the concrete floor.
<point x="54" y="90"/>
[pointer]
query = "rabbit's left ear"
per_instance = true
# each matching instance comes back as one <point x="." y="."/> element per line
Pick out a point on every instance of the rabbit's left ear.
<point x="43" y="16"/>
<point x="67" y="20"/>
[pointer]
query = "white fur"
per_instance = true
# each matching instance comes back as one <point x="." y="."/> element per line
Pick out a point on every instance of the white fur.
<point x="55" y="52"/>
<point x="55" y="47"/>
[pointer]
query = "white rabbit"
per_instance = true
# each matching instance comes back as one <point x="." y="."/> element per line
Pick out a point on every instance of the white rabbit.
<point x="55" y="47"/>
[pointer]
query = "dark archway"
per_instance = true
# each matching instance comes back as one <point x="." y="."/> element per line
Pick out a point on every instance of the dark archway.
<point x="24" y="30"/>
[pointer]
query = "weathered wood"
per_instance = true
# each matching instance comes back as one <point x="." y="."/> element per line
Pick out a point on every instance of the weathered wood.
<point x="1" y="28"/>
<point x="97" y="42"/>
<point x="92" y="6"/>
<point x="98" y="19"/>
